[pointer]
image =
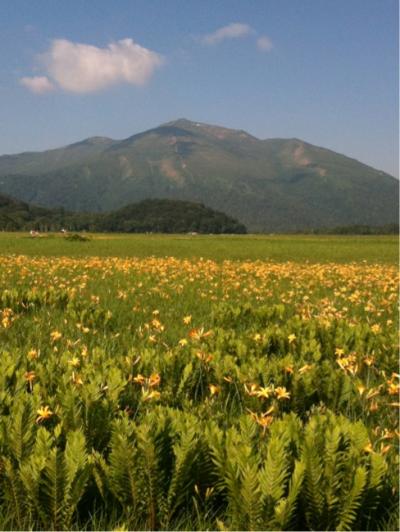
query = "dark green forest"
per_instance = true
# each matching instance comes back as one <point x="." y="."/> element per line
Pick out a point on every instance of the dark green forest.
<point x="386" y="229"/>
<point x="157" y="216"/>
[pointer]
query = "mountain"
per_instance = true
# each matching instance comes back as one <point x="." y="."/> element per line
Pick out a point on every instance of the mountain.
<point x="158" y="216"/>
<point x="269" y="185"/>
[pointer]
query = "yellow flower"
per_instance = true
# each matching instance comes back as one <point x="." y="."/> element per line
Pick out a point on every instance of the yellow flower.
<point x="199" y="334"/>
<point x="291" y="338"/>
<point x="339" y="351"/>
<point x="30" y="376"/>
<point x="156" y="323"/>
<point x="44" y="413"/>
<point x="282" y="393"/>
<point x="373" y="406"/>
<point x="154" y="380"/>
<point x="182" y="342"/>
<point x="148" y="396"/>
<point x="264" y="420"/>
<point x="214" y="390"/>
<point x="55" y="335"/>
<point x="385" y="448"/>
<point x="305" y="368"/>
<point x="187" y="320"/>
<point x="76" y="379"/>
<point x="372" y="393"/>
<point x="74" y="362"/>
<point x="209" y="492"/>
<point x="387" y="435"/>
<point x="353" y="369"/>
<point x="369" y="360"/>
<point x="139" y="379"/>
<point x="204" y="357"/>
<point x="361" y="389"/>
<point x="264" y="392"/>
<point x="368" y="448"/>
<point x="252" y="390"/>
<point x="393" y="388"/>
<point x="33" y="354"/>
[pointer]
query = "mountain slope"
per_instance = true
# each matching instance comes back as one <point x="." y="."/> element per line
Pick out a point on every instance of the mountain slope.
<point x="270" y="185"/>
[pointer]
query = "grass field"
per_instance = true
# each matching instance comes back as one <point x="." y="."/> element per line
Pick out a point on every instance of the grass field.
<point x="142" y="387"/>
<point x="249" y="247"/>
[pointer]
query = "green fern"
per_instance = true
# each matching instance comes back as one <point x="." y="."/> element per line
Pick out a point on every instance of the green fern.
<point x="120" y="474"/>
<point x="224" y="452"/>
<point x="272" y="482"/>
<point x="285" y="509"/>
<point x="152" y="445"/>
<point x="250" y="492"/>
<point x="77" y="474"/>
<point x="13" y="492"/>
<point x="334" y="471"/>
<point x="52" y="488"/>
<point x="186" y="450"/>
<point x="314" y="497"/>
<point x="376" y="477"/>
<point x="275" y="471"/>
<point x="20" y="430"/>
<point x="53" y="481"/>
<point x="30" y="473"/>
<point x="348" y="513"/>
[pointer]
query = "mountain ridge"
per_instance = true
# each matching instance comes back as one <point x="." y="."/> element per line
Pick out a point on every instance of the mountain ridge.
<point x="99" y="139"/>
<point x="269" y="184"/>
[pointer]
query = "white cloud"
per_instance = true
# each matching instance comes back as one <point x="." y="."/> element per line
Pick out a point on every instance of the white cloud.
<point x="37" y="84"/>
<point x="231" y="31"/>
<point x="80" y="68"/>
<point x="264" y="44"/>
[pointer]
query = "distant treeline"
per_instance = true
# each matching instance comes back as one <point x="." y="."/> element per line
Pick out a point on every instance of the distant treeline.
<point x="387" y="229"/>
<point x="158" y="216"/>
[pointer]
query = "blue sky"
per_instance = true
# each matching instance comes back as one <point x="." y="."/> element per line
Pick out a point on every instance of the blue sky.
<point x="325" y="71"/>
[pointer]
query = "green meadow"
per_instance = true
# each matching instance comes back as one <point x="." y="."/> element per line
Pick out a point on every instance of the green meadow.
<point x="299" y="248"/>
<point x="152" y="382"/>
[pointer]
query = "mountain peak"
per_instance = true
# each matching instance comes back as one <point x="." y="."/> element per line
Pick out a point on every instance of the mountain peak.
<point x="211" y="129"/>
<point x="94" y="141"/>
<point x="178" y="122"/>
<point x="183" y="123"/>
